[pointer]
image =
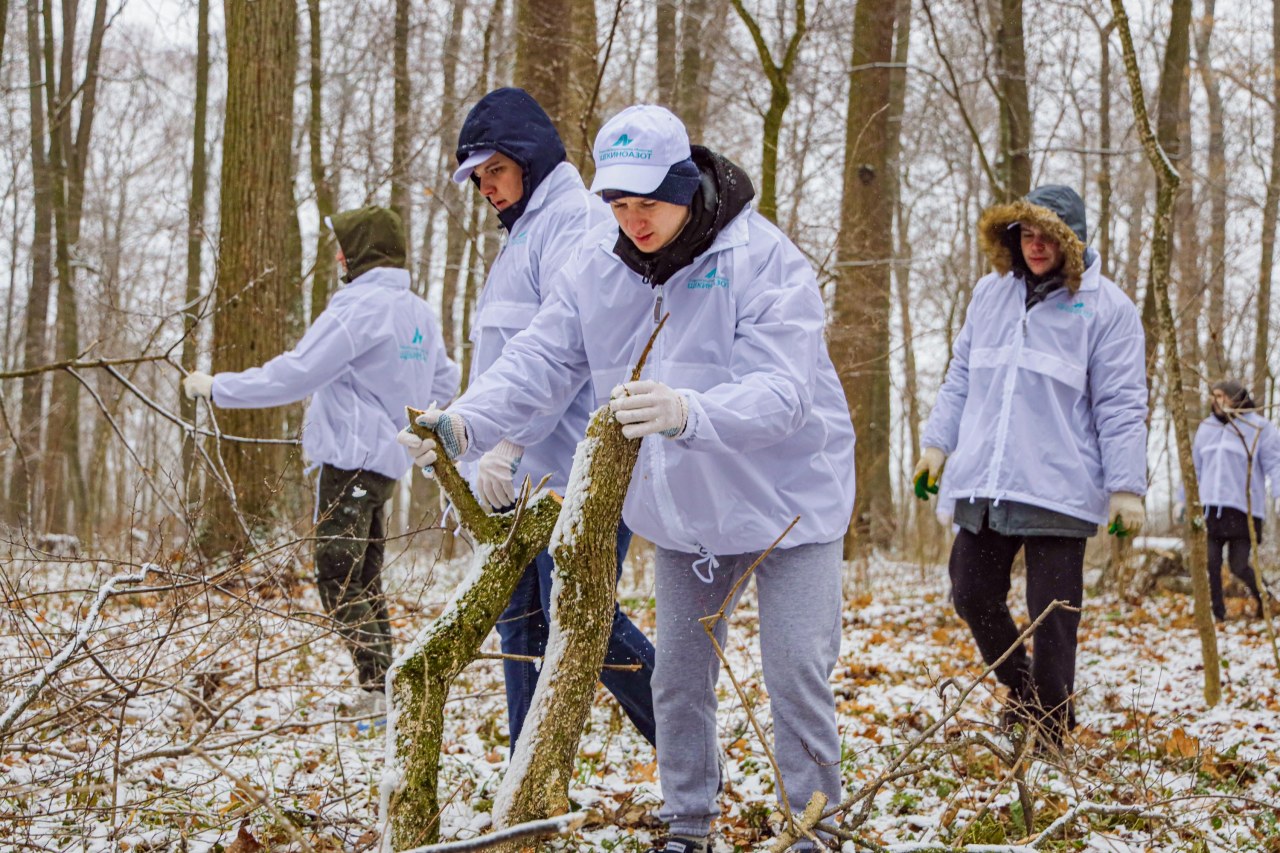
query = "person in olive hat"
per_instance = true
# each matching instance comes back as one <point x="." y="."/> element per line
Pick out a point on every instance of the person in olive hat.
<point x="374" y="349"/>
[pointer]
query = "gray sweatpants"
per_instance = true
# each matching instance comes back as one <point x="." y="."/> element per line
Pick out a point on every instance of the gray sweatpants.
<point x="799" y="597"/>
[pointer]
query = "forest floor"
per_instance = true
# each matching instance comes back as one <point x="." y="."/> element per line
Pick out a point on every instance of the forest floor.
<point x="208" y="720"/>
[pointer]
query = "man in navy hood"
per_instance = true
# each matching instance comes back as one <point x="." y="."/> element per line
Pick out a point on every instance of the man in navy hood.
<point x="509" y="122"/>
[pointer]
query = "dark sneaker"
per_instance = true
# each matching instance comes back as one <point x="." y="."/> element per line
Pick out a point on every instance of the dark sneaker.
<point x="683" y="844"/>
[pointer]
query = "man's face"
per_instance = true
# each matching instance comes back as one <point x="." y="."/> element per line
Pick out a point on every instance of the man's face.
<point x="341" y="259"/>
<point x="1041" y="252"/>
<point x="649" y="224"/>
<point x="1221" y="404"/>
<point x="501" y="181"/>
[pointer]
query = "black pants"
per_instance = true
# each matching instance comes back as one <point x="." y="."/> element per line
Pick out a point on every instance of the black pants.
<point x="980" y="568"/>
<point x="350" y="533"/>
<point x="1228" y="531"/>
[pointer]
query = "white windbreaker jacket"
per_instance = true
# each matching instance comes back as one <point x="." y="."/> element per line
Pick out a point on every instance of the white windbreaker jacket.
<point x="374" y="349"/>
<point x="558" y="215"/>
<point x="1045" y="407"/>
<point x="768" y="435"/>
<point x="1221" y="456"/>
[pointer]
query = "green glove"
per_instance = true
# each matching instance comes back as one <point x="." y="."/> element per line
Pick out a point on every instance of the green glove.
<point x="924" y="488"/>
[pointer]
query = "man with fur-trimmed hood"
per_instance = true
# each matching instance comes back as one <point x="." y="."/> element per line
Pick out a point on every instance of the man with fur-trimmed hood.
<point x="1042" y="423"/>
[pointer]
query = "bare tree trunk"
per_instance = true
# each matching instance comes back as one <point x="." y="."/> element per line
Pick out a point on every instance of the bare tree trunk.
<point x="1261" y="369"/>
<point x="1190" y="290"/>
<point x="1167" y="180"/>
<point x="668" y="54"/>
<point x="779" y="77"/>
<point x="1104" y="143"/>
<point x="451" y="196"/>
<point x="401" y="125"/>
<point x="700" y="31"/>
<point x="860" y="333"/>
<point x="1015" y="109"/>
<point x="324" y="274"/>
<point x="255" y="281"/>
<point x="1217" y="186"/>
<point x="543" y="55"/>
<point x="31" y="414"/>
<point x="921" y="527"/>
<point x="195" y="225"/>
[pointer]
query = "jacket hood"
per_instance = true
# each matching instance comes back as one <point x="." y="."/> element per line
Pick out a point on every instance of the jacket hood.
<point x="369" y="237"/>
<point x="510" y="121"/>
<point x="1057" y="210"/>
<point x="724" y="192"/>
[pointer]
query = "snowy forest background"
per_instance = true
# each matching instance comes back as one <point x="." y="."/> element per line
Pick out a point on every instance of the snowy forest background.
<point x="163" y="170"/>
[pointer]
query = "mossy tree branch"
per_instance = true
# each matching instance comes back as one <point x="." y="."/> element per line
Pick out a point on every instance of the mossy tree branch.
<point x="419" y="681"/>
<point x="584" y="546"/>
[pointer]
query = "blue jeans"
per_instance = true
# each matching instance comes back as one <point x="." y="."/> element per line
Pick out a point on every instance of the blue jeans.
<point x="523" y="629"/>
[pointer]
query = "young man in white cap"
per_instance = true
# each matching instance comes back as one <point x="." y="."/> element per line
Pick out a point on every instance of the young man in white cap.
<point x="511" y="151"/>
<point x="374" y="349"/>
<point x="744" y="427"/>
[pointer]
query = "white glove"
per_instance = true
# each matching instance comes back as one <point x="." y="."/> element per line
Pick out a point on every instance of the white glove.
<point x="930" y="463"/>
<point x="450" y="429"/>
<point x="494" y="485"/>
<point x="646" y="407"/>
<point x="422" y="452"/>
<point x="1126" y="514"/>
<point x="198" y="385"/>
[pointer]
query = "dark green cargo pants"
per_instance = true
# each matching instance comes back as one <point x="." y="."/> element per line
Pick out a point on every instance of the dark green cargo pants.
<point x="350" y="534"/>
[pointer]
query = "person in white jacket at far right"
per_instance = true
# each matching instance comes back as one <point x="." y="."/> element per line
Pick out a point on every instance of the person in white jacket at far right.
<point x="1232" y="495"/>
<point x="1043" y="418"/>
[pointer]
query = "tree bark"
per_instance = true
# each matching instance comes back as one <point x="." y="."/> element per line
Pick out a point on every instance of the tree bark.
<point x="195" y="226"/>
<point x="324" y="274"/>
<point x="31" y="414"/>
<point x="1167" y="187"/>
<point x="401" y="124"/>
<point x="701" y="30"/>
<point x="1104" y="143"/>
<point x="779" y="76"/>
<point x="1015" y="109"/>
<point x="1261" y="379"/>
<point x="254" y="282"/>
<point x="1217" y="187"/>
<point x="860" y="333"/>
<point x="668" y="54"/>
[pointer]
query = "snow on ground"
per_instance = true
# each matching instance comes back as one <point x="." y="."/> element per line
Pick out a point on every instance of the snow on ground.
<point x="206" y="712"/>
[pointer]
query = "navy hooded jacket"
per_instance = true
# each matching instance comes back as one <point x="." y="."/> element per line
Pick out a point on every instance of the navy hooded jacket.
<point x="511" y="122"/>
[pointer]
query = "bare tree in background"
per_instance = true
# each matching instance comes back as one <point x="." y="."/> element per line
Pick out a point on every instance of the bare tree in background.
<point x="1177" y="50"/>
<point x="256" y="281"/>
<point x="195" y="224"/>
<point x="1261" y="379"/>
<point x="1015" y="105"/>
<point x="860" y="331"/>
<point x="1216" y="184"/>
<point x="324" y="272"/>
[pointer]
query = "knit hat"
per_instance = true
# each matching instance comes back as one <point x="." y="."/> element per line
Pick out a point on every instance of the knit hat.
<point x="644" y="151"/>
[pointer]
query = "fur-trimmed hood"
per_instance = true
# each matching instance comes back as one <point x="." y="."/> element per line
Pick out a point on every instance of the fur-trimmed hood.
<point x="1057" y="210"/>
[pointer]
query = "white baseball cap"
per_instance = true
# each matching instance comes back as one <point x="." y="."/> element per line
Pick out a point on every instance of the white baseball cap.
<point x="635" y="148"/>
<point x="468" y="166"/>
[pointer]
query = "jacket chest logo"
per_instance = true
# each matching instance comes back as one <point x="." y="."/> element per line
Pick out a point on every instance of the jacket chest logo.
<point x="1079" y="309"/>
<point x="520" y="239"/>
<point x="709" y="281"/>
